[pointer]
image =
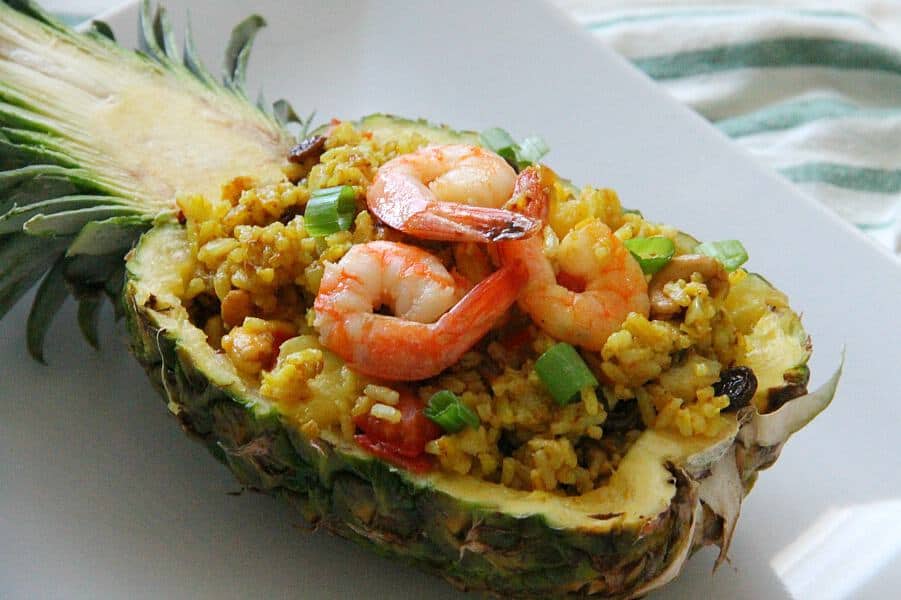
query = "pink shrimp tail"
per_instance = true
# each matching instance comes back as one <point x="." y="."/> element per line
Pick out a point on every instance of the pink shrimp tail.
<point x="530" y="193"/>
<point x="480" y="308"/>
<point x="401" y="205"/>
<point x="400" y="350"/>
<point x="463" y="223"/>
<point x="530" y="197"/>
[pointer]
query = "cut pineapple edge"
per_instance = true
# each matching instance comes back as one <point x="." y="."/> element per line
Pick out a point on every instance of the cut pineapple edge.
<point x="97" y="140"/>
<point x="89" y="168"/>
<point x="79" y="88"/>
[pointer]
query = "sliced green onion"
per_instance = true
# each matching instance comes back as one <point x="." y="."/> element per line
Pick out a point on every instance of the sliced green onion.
<point x="330" y="210"/>
<point x="499" y="141"/>
<point x="651" y="253"/>
<point x="532" y="149"/>
<point x="632" y="211"/>
<point x="564" y="373"/>
<point x="520" y="156"/>
<point x="729" y="252"/>
<point x="496" y="139"/>
<point x="446" y="409"/>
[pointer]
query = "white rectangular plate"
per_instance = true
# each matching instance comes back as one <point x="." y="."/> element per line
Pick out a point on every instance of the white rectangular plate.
<point x="102" y="496"/>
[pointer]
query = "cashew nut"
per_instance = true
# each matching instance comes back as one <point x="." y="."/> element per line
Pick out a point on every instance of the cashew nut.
<point x="682" y="267"/>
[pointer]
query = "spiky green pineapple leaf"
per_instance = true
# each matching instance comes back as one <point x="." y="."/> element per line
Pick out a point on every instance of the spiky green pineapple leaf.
<point x="285" y="113"/>
<point x="34" y="10"/>
<point x="50" y="297"/>
<point x="156" y="39"/>
<point x="23" y="260"/>
<point x="96" y="141"/>
<point x="112" y="289"/>
<point x="102" y="28"/>
<point x="70" y="222"/>
<point x="88" y="273"/>
<point x="15" y="156"/>
<point x="191" y="59"/>
<point x="88" y="318"/>
<point x="41" y="182"/>
<point x="165" y="38"/>
<point x="115" y="235"/>
<point x="237" y="54"/>
<point x="33" y="217"/>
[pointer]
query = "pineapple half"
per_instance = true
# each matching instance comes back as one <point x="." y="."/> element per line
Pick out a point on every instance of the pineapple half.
<point x="96" y="140"/>
<point x="93" y="148"/>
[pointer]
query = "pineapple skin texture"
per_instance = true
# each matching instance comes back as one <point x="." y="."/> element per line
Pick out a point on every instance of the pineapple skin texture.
<point x="366" y="500"/>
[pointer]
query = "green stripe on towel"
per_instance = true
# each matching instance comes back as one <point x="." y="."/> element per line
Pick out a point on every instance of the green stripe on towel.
<point x="792" y="114"/>
<point x="879" y="181"/>
<point x="877" y="226"/>
<point x="692" y="14"/>
<point x="785" y="52"/>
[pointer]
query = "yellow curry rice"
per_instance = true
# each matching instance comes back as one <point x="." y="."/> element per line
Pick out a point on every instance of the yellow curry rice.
<point x="257" y="271"/>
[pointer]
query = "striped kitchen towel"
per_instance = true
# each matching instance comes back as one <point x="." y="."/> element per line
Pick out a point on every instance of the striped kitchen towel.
<point x="816" y="95"/>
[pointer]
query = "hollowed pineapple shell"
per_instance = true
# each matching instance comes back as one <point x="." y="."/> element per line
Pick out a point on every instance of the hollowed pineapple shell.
<point x="669" y="496"/>
<point x="76" y="194"/>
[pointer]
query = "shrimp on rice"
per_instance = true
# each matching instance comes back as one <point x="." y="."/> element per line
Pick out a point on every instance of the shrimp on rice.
<point x="430" y="329"/>
<point x="596" y="283"/>
<point x="451" y="193"/>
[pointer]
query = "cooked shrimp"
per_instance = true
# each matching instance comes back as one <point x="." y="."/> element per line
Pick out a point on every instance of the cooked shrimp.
<point x="451" y="193"/>
<point x="604" y="283"/>
<point x="430" y="331"/>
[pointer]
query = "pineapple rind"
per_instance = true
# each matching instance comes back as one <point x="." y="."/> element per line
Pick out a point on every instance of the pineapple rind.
<point x="473" y="544"/>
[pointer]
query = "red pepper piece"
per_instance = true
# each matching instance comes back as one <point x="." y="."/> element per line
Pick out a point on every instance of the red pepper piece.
<point x="517" y="339"/>
<point x="402" y="443"/>
<point x="389" y="453"/>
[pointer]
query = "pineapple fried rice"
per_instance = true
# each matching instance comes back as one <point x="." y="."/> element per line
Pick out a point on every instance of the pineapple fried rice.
<point x="257" y="270"/>
<point x="417" y="336"/>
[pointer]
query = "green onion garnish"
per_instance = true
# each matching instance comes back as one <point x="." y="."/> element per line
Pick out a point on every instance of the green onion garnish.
<point x="446" y="409"/>
<point x="497" y="139"/>
<point x="564" y="373"/>
<point x="651" y="253"/>
<point x="729" y="252"/>
<point x="520" y="155"/>
<point x="532" y="149"/>
<point x="330" y="210"/>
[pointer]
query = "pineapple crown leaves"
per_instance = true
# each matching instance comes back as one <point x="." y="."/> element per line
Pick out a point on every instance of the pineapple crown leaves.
<point x="64" y="223"/>
<point x="157" y="41"/>
<point x="100" y="29"/>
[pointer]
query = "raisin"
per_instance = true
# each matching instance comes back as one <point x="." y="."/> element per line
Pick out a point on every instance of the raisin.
<point x="739" y="383"/>
<point x="310" y="148"/>
<point x="624" y="417"/>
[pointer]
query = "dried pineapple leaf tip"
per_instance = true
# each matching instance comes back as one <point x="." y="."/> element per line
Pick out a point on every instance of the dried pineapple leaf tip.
<point x="722" y="492"/>
<point x="775" y="428"/>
